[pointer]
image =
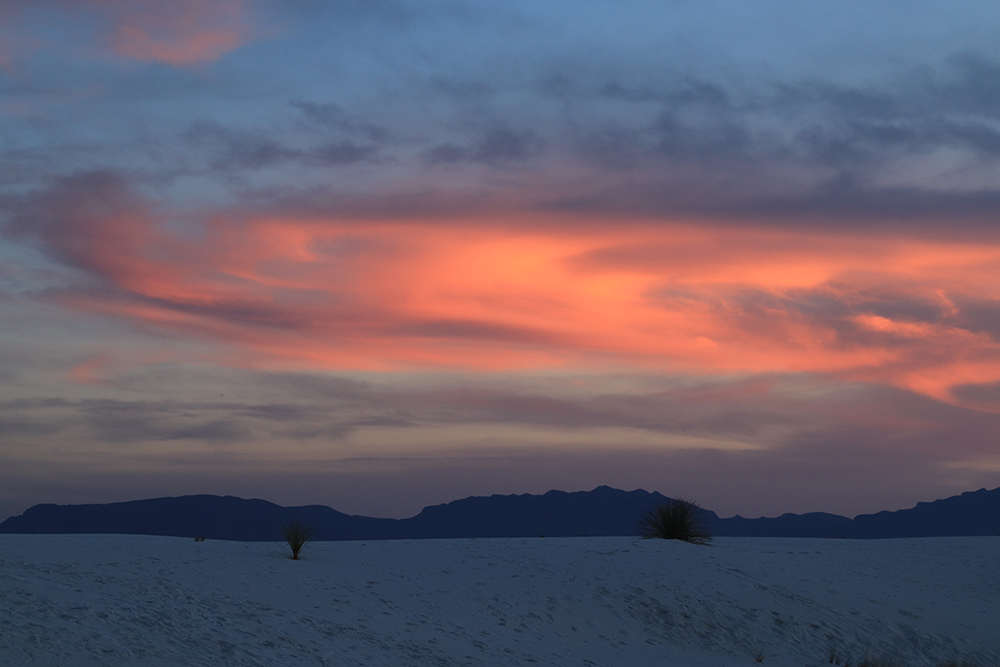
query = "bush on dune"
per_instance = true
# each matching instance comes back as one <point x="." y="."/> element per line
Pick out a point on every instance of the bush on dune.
<point x="296" y="534"/>
<point x="677" y="519"/>
<point x="869" y="661"/>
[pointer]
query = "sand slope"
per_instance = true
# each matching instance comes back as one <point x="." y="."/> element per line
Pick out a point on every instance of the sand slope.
<point x="134" y="600"/>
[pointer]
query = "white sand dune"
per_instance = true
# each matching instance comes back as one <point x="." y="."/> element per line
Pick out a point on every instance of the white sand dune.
<point x="607" y="601"/>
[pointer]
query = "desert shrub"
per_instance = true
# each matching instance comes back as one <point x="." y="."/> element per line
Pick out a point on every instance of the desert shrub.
<point x="884" y="661"/>
<point x="296" y="534"/>
<point x="836" y="657"/>
<point x="676" y="520"/>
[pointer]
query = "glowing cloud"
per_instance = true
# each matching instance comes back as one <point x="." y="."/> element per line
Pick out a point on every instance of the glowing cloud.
<point x="548" y="292"/>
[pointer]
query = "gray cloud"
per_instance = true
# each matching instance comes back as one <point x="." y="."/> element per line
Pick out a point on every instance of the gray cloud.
<point x="497" y="146"/>
<point x="242" y="149"/>
<point x="987" y="394"/>
<point x="333" y="117"/>
<point x="815" y="436"/>
<point x="980" y="315"/>
<point x="641" y="137"/>
<point x="801" y="152"/>
<point x="300" y="403"/>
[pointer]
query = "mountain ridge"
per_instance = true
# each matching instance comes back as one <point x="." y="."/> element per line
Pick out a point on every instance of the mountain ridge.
<point x="601" y="511"/>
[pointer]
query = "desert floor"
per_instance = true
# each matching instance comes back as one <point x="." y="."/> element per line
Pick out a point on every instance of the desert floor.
<point x="113" y="600"/>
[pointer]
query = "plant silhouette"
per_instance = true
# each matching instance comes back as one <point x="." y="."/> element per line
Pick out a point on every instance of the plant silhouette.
<point x="676" y="519"/>
<point x="297" y="534"/>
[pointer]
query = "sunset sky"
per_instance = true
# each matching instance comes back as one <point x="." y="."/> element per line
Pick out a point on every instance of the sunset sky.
<point x="380" y="254"/>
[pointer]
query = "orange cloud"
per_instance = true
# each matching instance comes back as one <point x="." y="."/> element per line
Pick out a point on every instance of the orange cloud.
<point x="489" y="294"/>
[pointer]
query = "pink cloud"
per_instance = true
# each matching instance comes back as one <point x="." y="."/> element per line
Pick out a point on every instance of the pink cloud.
<point x="181" y="32"/>
<point x="90" y="371"/>
<point x="526" y="294"/>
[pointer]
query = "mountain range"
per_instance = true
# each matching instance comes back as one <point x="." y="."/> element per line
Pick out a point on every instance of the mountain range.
<point x="602" y="511"/>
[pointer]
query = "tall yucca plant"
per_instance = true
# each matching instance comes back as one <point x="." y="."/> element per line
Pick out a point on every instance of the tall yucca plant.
<point x="676" y="519"/>
<point x="296" y="534"/>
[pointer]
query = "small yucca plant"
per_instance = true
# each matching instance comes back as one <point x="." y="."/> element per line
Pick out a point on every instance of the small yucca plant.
<point x="296" y="534"/>
<point x="869" y="661"/>
<point x="677" y="519"/>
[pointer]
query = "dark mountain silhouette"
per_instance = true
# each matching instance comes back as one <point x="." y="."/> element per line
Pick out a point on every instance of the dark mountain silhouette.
<point x="603" y="511"/>
<point x="972" y="513"/>
<point x="217" y="517"/>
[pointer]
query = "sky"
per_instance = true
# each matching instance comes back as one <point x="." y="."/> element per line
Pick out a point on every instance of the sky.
<point x="382" y="254"/>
